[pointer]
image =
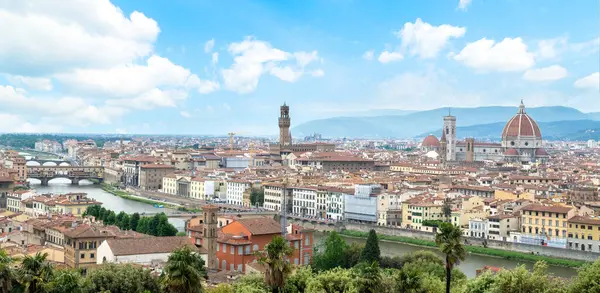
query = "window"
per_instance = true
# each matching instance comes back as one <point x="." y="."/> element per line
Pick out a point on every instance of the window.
<point x="218" y="246"/>
<point x="247" y="249"/>
<point x="224" y="247"/>
<point x="240" y="250"/>
<point x="91" y="255"/>
<point x="239" y="268"/>
<point x="82" y="256"/>
<point x="255" y="247"/>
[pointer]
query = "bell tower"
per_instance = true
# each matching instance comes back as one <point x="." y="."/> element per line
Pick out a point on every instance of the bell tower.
<point x="450" y="132"/>
<point x="285" y="138"/>
<point x="209" y="236"/>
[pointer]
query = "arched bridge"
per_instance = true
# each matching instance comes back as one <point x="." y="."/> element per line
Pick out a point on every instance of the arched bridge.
<point x="75" y="173"/>
<point x="55" y="161"/>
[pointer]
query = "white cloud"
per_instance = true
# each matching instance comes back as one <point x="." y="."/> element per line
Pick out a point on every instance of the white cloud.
<point x="215" y="58"/>
<point x="554" y="72"/>
<point x="97" y="34"/>
<point x="462" y="4"/>
<point x="550" y="48"/>
<point x="34" y="83"/>
<point x="426" y="41"/>
<point x="591" y="81"/>
<point x="419" y="91"/>
<point x="487" y="55"/>
<point x="121" y="131"/>
<point x="151" y="99"/>
<point x="586" y="48"/>
<point x="185" y="114"/>
<point x="253" y="58"/>
<point x="318" y="73"/>
<point x="128" y="79"/>
<point x="368" y="55"/>
<point x="386" y="57"/>
<point x="208" y="46"/>
<point x="66" y="110"/>
<point x="16" y="123"/>
<point x="286" y="73"/>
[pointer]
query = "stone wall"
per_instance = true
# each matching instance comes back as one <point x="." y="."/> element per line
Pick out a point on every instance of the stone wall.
<point x="520" y="247"/>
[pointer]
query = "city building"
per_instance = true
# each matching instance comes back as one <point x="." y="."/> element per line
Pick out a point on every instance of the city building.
<point x="143" y="251"/>
<point x="583" y="233"/>
<point x="545" y="225"/>
<point x="238" y="191"/>
<point x="151" y="176"/>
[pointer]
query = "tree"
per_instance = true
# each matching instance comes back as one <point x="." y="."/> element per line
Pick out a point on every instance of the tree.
<point x="184" y="271"/>
<point x="368" y="277"/>
<point x="68" y="281"/>
<point x="111" y="219"/>
<point x="133" y="221"/>
<point x="6" y="273"/>
<point x="588" y="279"/>
<point x="34" y="273"/>
<point x="257" y="196"/>
<point x="371" y="251"/>
<point x="274" y="257"/>
<point x="447" y="209"/>
<point x="121" y="279"/>
<point x="449" y="240"/>
<point x="352" y="255"/>
<point x="333" y="253"/>
<point x="124" y="224"/>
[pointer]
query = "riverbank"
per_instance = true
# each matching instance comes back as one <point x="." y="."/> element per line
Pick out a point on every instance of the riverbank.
<point x="114" y="191"/>
<point x="511" y="255"/>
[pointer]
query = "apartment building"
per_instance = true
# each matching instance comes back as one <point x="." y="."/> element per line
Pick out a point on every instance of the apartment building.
<point x="304" y="201"/>
<point x="335" y="203"/>
<point x="389" y="209"/>
<point x="14" y="198"/>
<point x="237" y="190"/>
<point x="274" y="196"/>
<point x="151" y="176"/>
<point x="583" y="233"/>
<point x="501" y="226"/>
<point x="545" y="225"/>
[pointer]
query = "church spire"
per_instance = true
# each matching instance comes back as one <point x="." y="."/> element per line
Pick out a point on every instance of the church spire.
<point x="521" y="108"/>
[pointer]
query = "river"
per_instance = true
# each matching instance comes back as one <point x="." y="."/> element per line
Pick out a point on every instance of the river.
<point x="109" y="201"/>
<point x="469" y="266"/>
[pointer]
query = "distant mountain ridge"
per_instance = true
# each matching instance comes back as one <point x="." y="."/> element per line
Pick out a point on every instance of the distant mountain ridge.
<point x="556" y="130"/>
<point x="417" y="123"/>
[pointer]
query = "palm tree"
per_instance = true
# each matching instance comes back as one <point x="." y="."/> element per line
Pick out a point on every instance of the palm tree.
<point x="184" y="271"/>
<point x="6" y="274"/>
<point x="448" y="238"/>
<point x="275" y="258"/>
<point x="35" y="272"/>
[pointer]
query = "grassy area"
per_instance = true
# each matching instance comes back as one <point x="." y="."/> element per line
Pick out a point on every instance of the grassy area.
<point x="114" y="191"/>
<point x="514" y="255"/>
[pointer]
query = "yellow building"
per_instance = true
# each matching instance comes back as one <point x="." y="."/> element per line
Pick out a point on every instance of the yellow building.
<point x="542" y="224"/>
<point x="197" y="189"/>
<point x="501" y="194"/>
<point x="584" y="233"/>
<point x="418" y="212"/>
<point x="74" y="204"/>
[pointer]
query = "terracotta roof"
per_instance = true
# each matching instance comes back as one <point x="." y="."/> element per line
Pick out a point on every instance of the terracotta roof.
<point x="157" y="166"/>
<point x="551" y="209"/>
<point x="261" y="226"/>
<point x="148" y="245"/>
<point x="521" y="125"/>
<point x="585" y="220"/>
<point x="430" y="141"/>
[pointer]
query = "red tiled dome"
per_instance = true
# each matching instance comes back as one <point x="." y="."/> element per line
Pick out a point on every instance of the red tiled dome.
<point x="521" y="125"/>
<point x="431" y="141"/>
<point x="511" y="152"/>
<point x="541" y="152"/>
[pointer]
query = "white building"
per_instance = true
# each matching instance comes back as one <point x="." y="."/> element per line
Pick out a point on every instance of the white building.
<point x="592" y="144"/>
<point x="304" y="201"/>
<point x="478" y="228"/>
<point x="13" y="199"/>
<point x="274" y="194"/>
<point x="235" y="191"/>
<point x="360" y="208"/>
<point x="335" y="204"/>
<point x="142" y="251"/>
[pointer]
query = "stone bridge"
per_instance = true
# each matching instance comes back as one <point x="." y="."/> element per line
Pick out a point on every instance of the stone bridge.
<point x="44" y="161"/>
<point x="74" y="173"/>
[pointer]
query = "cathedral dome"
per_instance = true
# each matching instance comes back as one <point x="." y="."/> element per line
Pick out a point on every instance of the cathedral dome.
<point x="521" y="125"/>
<point x="431" y="141"/>
<point x="511" y="152"/>
<point x="541" y="153"/>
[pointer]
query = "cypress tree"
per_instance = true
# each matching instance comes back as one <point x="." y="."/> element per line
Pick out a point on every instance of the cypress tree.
<point x="371" y="251"/>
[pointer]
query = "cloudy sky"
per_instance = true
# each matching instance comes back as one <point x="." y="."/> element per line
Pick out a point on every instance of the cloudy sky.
<point x="210" y="67"/>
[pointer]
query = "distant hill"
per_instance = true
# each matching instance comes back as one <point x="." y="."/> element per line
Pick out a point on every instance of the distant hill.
<point x="417" y="123"/>
<point x="594" y="115"/>
<point x="557" y="130"/>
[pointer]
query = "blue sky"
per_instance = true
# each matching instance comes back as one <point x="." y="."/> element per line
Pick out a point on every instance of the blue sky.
<point x="211" y="67"/>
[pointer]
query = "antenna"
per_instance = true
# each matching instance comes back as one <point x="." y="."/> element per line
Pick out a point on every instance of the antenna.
<point x="449" y="111"/>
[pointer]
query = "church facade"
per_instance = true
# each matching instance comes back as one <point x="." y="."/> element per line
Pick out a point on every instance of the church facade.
<point x="521" y="142"/>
